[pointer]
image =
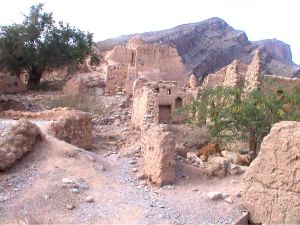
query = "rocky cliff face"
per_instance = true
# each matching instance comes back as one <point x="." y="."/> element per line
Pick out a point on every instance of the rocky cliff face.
<point x="212" y="44"/>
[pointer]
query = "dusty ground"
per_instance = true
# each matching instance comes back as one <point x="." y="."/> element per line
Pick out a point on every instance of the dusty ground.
<point x="51" y="184"/>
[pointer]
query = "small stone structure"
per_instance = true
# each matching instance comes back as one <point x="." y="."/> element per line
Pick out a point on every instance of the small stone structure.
<point x="84" y="83"/>
<point x="145" y="102"/>
<point x="20" y="140"/>
<point x="158" y="100"/>
<point x="11" y="84"/>
<point x="158" y="148"/>
<point x="138" y="59"/>
<point x="237" y="75"/>
<point x="75" y="129"/>
<point x="272" y="182"/>
<point x="72" y="126"/>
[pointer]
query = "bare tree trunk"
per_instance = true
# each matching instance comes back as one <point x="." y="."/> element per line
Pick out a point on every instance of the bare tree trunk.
<point x="252" y="143"/>
<point x="33" y="83"/>
<point x="34" y="79"/>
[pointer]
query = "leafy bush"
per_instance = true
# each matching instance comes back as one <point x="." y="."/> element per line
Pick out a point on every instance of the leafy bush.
<point x="233" y="115"/>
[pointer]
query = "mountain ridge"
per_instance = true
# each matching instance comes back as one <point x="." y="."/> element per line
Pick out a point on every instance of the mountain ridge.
<point x="209" y="45"/>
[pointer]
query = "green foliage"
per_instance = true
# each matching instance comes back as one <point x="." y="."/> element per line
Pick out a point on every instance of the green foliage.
<point x="39" y="44"/>
<point x="232" y="115"/>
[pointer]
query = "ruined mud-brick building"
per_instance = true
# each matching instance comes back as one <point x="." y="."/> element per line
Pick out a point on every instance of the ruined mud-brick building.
<point x="138" y="59"/>
<point x="249" y="78"/>
<point x="158" y="100"/>
<point x="236" y="75"/>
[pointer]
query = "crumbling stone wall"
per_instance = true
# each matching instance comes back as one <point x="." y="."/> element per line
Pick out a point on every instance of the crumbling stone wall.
<point x="145" y="102"/>
<point x="72" y="126"/>
<point x="74" y="86"/>
<point x="252" y="78"/>
<point x="83" y="83"/>
<point x="193" y="82"/>
<point x="75" y="129"/>
<point x="116" y="78"/>
<point x="131" y="77"/>
<point x="122" y="54"/>
<point x="214" y="80"/>
<point x="20" y="140"/>
<point x="272" y="182"/>
<point x="236" y="74"/>
<point x="135" y="41"/>
<point x="233" y="77"/>
<point x="158" y="148"/>
<point x="11" y="84"/>
<point x="163" y="58"/>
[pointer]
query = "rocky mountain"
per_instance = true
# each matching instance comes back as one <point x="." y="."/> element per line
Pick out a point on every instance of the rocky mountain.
<point x="212" y="44"/>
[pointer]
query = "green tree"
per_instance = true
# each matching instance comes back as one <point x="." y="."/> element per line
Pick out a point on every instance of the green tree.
<point x="38" y="44"/>
<point x="250" y="118"/>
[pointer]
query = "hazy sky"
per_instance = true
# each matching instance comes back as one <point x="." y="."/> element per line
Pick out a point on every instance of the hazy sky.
<point x="260" y="19"/>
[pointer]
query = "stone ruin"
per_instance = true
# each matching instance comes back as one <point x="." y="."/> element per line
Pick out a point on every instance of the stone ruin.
<point x="83" y="84"/>
<point x="236" y="75"/>
<point x="75" y="128"/>
<point x="272" y="182"/>
<point x="158" y="148"/>
<point x="140" y="60"/>
<point x="18" y="141"/>
<point x="11" y="84"/>
<point x="249" y="78"/>
<point x="72" y="126"/>
<point x="159" y="100"/>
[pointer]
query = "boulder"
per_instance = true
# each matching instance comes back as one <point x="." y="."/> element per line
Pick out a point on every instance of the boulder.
<point x="215" y="195"/>
<point x="218" y="166"/>
<point x="272" y="187"/>
<point x="20" y="140"/>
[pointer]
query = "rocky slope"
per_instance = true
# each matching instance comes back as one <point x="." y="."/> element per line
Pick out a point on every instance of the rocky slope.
<point x="212" y="44"/>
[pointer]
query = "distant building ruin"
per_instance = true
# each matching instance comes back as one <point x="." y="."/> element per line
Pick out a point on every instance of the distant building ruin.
<point x="236" y="75"/>
<point x="249" y="78"/>
<point x="140" y="60"/>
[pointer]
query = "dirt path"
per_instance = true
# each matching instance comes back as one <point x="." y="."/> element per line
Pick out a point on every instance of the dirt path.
<point x="51" y="184"/>
<point x="34" y="191"/>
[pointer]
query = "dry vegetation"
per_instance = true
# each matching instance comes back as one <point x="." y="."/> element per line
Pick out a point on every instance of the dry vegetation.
<point x="82" y="102"/>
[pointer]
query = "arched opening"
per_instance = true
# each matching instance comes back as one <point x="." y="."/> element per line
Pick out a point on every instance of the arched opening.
<point x="178" y="102"/>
